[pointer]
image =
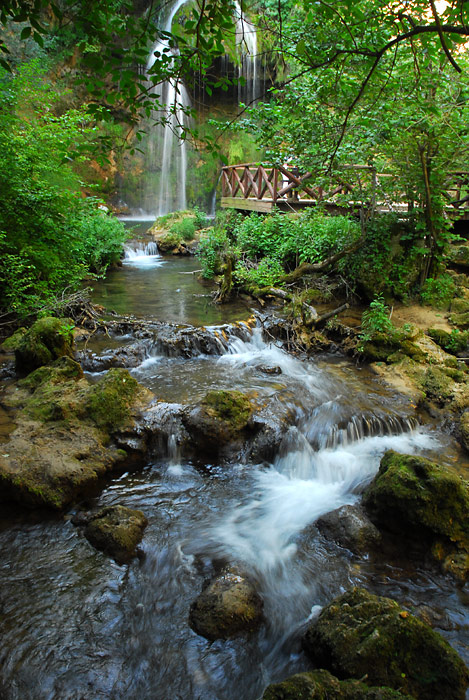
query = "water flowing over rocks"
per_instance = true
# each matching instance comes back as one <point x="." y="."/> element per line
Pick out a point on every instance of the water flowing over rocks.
<point x="322" y="685"/>
<point x="361" y="635"/>
<point x="415" y="497"/>
<point x="116" y="530"/>
<point x="228" y="605"/>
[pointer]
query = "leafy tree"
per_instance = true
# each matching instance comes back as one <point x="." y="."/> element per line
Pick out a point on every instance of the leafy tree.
<point x="50" y="237"/>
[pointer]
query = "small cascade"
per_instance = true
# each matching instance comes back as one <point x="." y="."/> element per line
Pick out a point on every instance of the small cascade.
<point x="249" y="63"/>
<point x="166" y="151"/>
<point x="142" y="255"/>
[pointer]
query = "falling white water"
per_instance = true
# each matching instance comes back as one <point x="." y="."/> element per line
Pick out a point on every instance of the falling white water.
<point x="143" y="256"/>
<point x="167" y="151"/>
<point x="248" y="68"/>
<point x="310" y="476"/>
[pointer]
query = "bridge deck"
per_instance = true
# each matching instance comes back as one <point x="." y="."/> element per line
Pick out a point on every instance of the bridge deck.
<point x="261" y="188"/>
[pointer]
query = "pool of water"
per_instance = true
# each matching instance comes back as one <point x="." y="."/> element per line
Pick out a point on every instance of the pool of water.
<point x="163" y="288"/>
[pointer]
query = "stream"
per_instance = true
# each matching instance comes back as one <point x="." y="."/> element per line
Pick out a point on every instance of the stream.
<point x="77" y="626"/>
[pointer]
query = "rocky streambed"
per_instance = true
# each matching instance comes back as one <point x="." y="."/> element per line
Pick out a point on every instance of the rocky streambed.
<point x="204" y="494"/>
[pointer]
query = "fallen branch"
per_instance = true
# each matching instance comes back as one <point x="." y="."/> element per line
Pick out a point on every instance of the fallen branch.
<point x="311" y="268"/>
<point x="329" y="314"/>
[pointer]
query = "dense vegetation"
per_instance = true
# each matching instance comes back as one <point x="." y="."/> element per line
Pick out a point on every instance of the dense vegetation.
<point x="355" y="81"/>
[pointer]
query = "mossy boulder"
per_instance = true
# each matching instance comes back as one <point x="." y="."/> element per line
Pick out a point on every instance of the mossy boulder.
<point x="56" y="373"/>
<point x="437" y="385"/>
<point x="392" y="347"/>
<point x="108" y="402"/>
<point x="459" y="255"/>
<point x="46" y="341"/>
<point x="454" y="342"/>
<point x="228" y="606"/>
<point x="461" y="320"/>
<point x="11" y="343"/>
<point x="459" y="306"/>
<point x="412" y="493"/>
<point x="322" y="685"/>
<point x="380" y="347"/>
<point x="364" y="636"/>
<point x="117" y="531"/>
<point x="464" y="429"/>
<point x="415" y="497"/>
<point x="67" y="434"/>
<point x="221" y="418"/>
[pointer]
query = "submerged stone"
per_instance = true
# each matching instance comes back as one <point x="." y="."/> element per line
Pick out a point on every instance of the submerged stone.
<point x="116" y="530"/>
<point x="322" y="685"/>
<point x="361" y="635"/>
<point x="46" y="340"/>
<point x="229" y="605"/>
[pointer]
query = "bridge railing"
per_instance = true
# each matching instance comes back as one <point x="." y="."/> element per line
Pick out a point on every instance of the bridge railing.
<point x="355" y="186"/>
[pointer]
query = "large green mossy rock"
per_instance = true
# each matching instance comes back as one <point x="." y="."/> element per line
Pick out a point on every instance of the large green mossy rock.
<point x="67" y="433"/>
<point x="220" y="419"/>
<point x="417" y="498"/>
<point x="117" y="531"/>
<point x="411" y="493"/>
<point x="322" y="685"/>
<point x="46" y="341"/>
<point x="364" y="636"/>
<point x="11" y="343"/>
<point x="387" y="347"/>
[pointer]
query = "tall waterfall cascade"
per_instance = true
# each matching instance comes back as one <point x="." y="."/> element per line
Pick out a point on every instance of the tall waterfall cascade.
<point x="249" y="62"/>
<point x="163" y="188"/>
<point x="166" y="150"/>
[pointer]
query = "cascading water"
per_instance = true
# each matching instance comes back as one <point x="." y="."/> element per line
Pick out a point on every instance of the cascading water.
<point x="142" y="255"/>
<point x="75" y="624"/>
<point x="249" y="63"/>
<point x="166" y="154"/>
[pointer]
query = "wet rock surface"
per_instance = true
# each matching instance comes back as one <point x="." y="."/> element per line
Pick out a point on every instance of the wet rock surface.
<point x="360" y="635"/>
<point x="68" y="433"/>
<point x="117" y="531"/>
<point x="322" y="685"/>
<point x="221" y="419"/>
<point x="415" y="497"/>
<point x="228" y="605"/>
<point x="350" y="527"/>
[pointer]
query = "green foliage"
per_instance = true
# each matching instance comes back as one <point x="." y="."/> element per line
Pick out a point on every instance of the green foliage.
<point x="376" y="320"/>
<point x="184" y="229"/>
<point x="388" y="262"/>
<point x="308" y="237"/>
<point x="266" y="274"/>
<point x="438" y="291"/>
<point x="50" y="237"/>
<point x="213" y="244"/>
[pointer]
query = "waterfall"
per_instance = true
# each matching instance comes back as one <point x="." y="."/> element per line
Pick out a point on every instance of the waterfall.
<point x="166" y="150"/>
<point x="142" y="255"/>
<point x="163" y="187"/>
<point x="248" y="68"/>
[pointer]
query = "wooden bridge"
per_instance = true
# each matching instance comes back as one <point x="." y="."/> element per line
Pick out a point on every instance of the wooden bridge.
<point x="257" y="187"/>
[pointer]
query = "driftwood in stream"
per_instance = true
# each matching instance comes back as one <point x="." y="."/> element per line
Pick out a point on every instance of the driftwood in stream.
<point x="314" y="319"/>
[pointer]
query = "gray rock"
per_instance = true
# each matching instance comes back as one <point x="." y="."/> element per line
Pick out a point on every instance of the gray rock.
<point x="350" y="527"/>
